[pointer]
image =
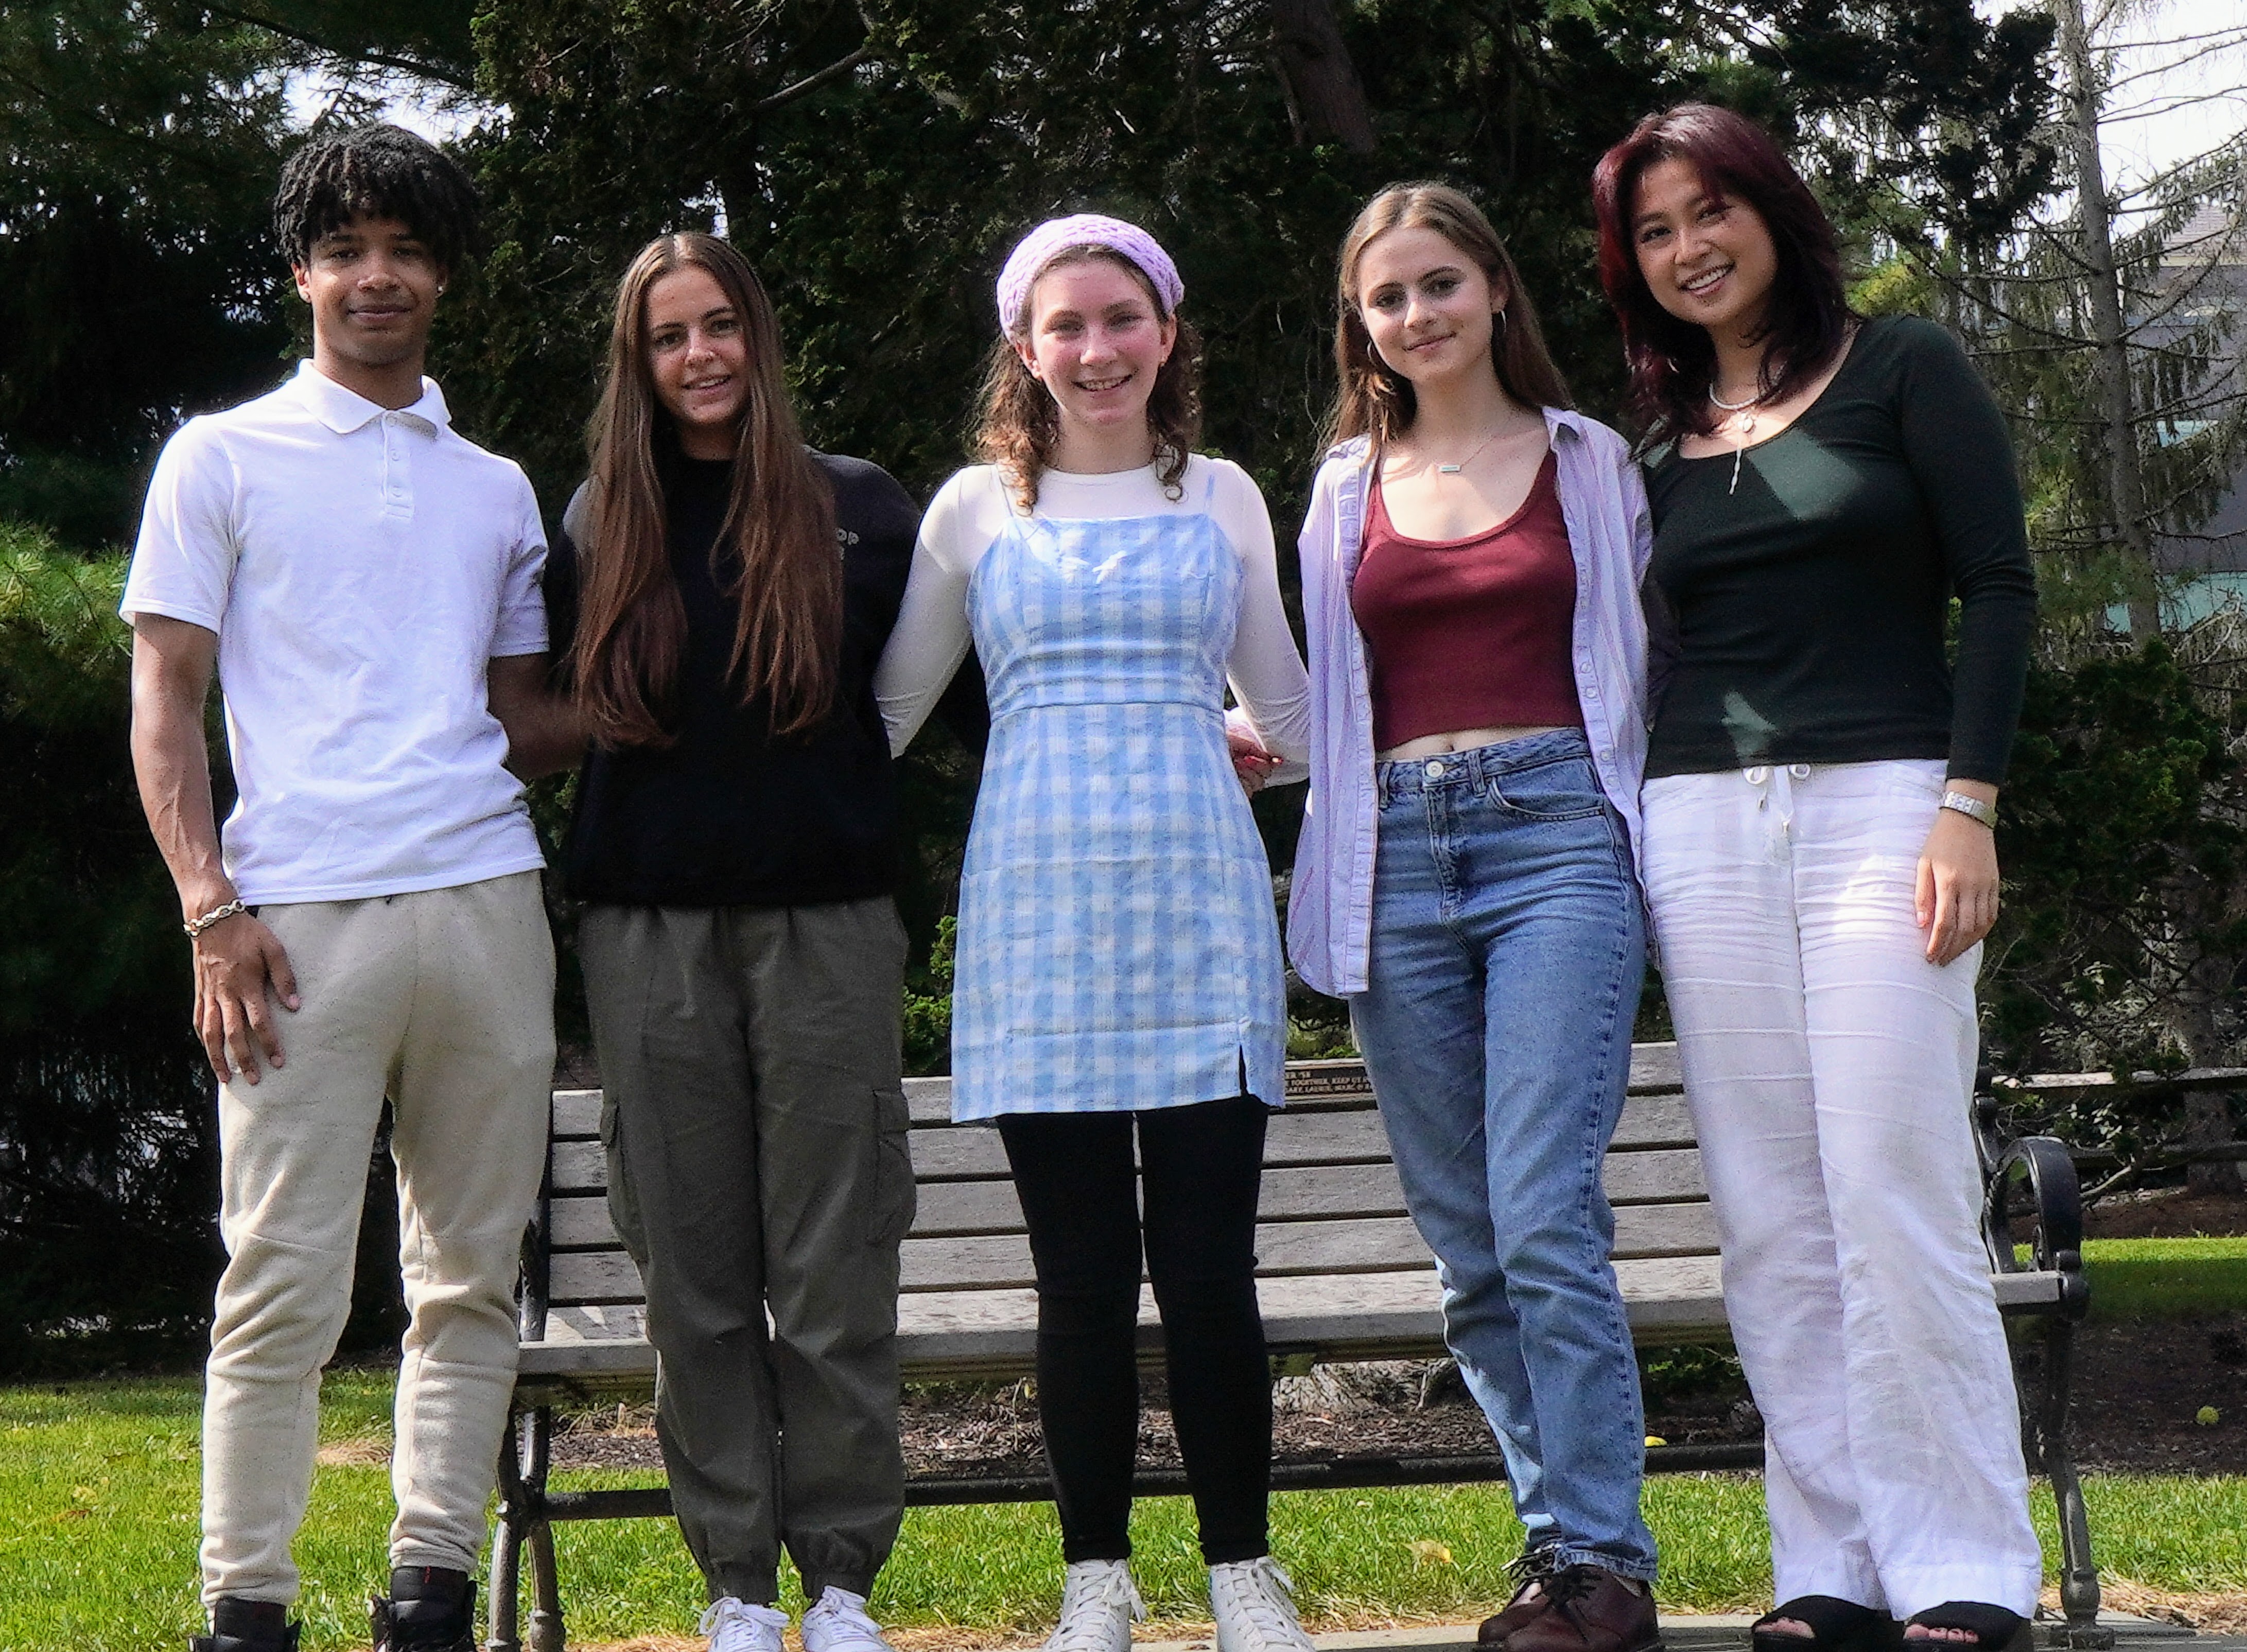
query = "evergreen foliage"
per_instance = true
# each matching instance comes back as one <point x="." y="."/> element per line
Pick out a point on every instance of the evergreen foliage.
<point x="2123" y="942"/>
<point x="108" y="1135"/>
<point x="108" y="1149"/>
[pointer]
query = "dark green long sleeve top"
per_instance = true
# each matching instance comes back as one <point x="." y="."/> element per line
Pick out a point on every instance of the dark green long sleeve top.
<point x="1807" y="605"/>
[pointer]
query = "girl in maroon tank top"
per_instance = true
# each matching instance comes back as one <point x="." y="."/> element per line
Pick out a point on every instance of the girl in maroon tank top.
<point x="1466" y="878"/>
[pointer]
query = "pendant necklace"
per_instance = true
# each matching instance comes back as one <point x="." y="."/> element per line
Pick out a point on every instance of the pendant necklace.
<point x="1453" y="470"/>
<point x="1743" y="421"/>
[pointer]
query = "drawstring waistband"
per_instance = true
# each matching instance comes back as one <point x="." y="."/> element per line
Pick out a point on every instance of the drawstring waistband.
<point x="1774" y="784"/>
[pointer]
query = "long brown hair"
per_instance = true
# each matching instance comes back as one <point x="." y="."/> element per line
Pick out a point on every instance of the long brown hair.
<point x="786" y="577"/>
<point x="1378" y="401"/>
<point x="1021" y="422"/>
<point x="1806" y="317"/>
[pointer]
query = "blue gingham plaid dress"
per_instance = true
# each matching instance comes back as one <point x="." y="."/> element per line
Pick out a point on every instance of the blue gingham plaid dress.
<point x="1117" y="946"/>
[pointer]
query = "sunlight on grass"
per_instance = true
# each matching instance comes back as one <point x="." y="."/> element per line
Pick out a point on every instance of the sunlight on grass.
<point x="2166" y="1276"/>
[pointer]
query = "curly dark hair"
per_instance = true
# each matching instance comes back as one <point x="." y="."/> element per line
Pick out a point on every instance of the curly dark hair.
<point x="381" y="170"/>
<point x="1020" y="423"/>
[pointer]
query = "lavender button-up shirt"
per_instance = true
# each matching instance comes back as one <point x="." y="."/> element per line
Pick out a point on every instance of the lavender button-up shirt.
<point x="1604" y="502"/>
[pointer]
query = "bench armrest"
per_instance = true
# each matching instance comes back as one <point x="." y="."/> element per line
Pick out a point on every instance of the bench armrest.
<point x="2056" y="1240"/>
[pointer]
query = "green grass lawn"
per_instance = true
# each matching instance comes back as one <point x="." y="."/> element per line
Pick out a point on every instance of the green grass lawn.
<point x="98" y="1481"/>
<point x="2166" y="1276"/>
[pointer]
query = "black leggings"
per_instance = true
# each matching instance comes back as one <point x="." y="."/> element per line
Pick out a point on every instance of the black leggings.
<point x="1199" y="1168"/>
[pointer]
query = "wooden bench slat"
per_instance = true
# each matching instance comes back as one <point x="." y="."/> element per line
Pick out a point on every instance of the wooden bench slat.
<point x="1340" y="1247"/>
<point x="1669" y="1299"/>
<point x="1369" y="1315"/>
<point x="1665" y="1175"/>
<point x="1290" y="1138"/>
<point x="1653" y="1069"/>
<point x="1650" y="1121"/>
<point x="577" y="1167"/>
<point x="994" y="1329"/>
<point x="1290" y="1194"/>
<point x="576" y="1115"/>
<point x="951" y="1154"/>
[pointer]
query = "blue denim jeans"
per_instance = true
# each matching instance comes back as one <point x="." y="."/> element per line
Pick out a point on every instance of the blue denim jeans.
<point x="1509" y="948"/>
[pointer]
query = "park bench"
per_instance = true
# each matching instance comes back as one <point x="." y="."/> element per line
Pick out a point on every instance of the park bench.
<point x="1341" y="1275"/>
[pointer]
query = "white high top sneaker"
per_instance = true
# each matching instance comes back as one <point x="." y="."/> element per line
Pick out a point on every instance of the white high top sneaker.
<point x="737" y="1626"/>
<point x="837" y="1622"/>
<point x="1255" y="1608"/>
<point x="1098" y="1607"/>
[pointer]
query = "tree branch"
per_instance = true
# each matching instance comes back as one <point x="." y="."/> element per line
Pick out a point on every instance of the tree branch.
<point x="379" y="59"/>
<point x="811" y="83"/>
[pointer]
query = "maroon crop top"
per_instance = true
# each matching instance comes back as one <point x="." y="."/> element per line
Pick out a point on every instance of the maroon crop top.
<point x="1470" y="633"/>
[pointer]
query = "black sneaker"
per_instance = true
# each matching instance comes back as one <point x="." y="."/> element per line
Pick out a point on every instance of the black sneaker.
<point x="284" y="1642"/>
<point x="247" y="1625"/>
<point x="421" y="1626"/>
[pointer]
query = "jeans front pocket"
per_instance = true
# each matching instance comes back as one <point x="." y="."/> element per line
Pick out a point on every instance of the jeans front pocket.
<point x="1566" y="788"/>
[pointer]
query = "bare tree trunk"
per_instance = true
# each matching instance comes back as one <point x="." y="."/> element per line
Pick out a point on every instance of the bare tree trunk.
<point x="2206" y="993"/>
<point x="2094" y="220"/>
<point x="1320" y="81"/>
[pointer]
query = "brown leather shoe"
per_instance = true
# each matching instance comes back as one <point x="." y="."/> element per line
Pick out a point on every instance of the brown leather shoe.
<point x="1531" y="1567"/>
<point x="1588" y="1608"/>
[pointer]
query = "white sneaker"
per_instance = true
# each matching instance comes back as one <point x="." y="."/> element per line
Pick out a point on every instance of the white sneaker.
<point x="1098" y="1607"/>
<point x="1254" y="1609"/>
<point x="736" y="1626"/>
<point x="837" y="1622"/>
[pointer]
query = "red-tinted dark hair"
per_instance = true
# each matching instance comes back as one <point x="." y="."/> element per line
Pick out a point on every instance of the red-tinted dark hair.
<point x="1806" y="318"/>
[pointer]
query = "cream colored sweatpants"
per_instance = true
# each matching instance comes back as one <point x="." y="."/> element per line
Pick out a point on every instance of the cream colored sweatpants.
<point x="442" y="1000"/>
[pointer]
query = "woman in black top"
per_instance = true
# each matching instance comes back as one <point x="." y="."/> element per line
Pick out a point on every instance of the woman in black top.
<point x="1821" y="865"/>
<point x="719" y="597"/>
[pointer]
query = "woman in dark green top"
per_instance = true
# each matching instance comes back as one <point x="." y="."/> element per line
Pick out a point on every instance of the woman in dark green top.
<point x="1821" y="865"/>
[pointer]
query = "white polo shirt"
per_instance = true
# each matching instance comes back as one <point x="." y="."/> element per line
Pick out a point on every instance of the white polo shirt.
<point x="360" y="567"/>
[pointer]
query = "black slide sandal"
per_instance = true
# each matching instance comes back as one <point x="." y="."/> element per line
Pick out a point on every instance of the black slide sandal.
<point x="1993" y="1627"/>
<point x="1835" y="1625"/>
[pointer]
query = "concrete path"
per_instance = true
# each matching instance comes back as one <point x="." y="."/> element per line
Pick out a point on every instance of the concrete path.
<point x="1725" y="1632"/>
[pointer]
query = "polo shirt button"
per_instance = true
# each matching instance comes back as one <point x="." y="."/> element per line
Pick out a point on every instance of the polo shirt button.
<point x="1434" y="771"/>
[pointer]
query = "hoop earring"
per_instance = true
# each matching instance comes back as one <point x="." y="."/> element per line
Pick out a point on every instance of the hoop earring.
<point x="1500" y="314"/>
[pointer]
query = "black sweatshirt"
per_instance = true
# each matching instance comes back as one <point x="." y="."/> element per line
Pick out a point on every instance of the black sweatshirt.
<point x="1809" y="604"/>
<point x="730" y="815"/>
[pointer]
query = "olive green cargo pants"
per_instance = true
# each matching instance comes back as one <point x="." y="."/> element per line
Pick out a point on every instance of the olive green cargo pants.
<point x="758" y="1173"/>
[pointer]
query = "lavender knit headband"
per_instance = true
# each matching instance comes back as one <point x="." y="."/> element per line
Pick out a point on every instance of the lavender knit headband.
<point x="1037" y="249"/>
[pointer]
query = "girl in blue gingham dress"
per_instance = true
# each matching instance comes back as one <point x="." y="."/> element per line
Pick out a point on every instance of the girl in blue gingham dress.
<point x="1118" y="978"/>
<point x="1117" y="948"/>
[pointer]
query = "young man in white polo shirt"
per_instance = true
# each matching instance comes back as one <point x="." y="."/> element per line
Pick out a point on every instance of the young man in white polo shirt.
<point x="365" y="583"/>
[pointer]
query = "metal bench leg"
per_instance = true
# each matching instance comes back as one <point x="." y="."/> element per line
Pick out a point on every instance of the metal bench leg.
<point x="546" y="1634"/>
<point x="546" y="1616"/>
<point x="506" y="1544"/>
<point x="2079" y="1577"/>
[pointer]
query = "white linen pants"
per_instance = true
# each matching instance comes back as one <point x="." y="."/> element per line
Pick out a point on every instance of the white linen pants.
<point x="1830" y="1069"/>
<point x="443" y="999"/>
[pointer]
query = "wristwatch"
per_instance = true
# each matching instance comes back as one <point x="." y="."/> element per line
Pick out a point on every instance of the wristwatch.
<point x="1973" y="807"/>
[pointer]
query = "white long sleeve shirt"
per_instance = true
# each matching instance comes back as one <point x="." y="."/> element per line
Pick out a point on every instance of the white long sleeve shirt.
<point x="969" y="514"/>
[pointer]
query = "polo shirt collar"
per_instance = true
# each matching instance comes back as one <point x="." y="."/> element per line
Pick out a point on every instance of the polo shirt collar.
<point x="343" y="410"/>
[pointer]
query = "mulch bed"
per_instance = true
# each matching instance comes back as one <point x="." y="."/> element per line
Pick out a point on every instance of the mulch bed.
<point x="2140" y="1386"/>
